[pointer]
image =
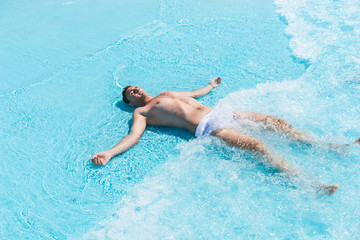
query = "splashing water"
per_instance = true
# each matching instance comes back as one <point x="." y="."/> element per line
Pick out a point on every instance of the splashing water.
<point x="172" y="185"/>
<point x="210" y="191"/>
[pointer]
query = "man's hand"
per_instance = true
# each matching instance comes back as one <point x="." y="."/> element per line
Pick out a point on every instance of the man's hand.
<point x="101" y="158"/>
<point x="215" y="82"/>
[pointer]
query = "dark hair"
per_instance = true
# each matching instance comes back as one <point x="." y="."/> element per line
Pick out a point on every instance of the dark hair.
<point x="125" y="99"/>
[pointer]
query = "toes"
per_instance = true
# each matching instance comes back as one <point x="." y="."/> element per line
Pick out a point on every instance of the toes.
<point x="328" y="189"/>
<point x="332" y="189"/>
<point x="335" y="187"/>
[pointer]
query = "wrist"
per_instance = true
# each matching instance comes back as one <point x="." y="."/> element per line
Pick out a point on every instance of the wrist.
<point x="111" y="153"/>
<point x="211" y="85"/>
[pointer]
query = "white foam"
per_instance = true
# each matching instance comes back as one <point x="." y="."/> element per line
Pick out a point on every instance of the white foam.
<point x="118" y="76"/>
<point x="315" y="25"/>
<point x="355" y="59"/>
<point x="199" y="184"/>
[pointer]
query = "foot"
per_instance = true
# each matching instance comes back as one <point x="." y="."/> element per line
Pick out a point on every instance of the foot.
<point x="328" y="189"/>
<point x="340" y="148"/>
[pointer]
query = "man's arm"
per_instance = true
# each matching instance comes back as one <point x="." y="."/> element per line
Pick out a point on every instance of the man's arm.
<point x="204" y="90"/>
<point x="137" y="129"/>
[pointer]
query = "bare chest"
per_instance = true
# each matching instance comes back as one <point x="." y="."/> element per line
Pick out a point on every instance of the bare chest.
<point x="163" y="108"/>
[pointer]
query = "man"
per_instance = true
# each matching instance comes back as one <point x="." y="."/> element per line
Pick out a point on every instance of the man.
<point x="180" y="109"/>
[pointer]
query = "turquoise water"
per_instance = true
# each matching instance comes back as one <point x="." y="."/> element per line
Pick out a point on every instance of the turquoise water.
<point x="62" y="67"/>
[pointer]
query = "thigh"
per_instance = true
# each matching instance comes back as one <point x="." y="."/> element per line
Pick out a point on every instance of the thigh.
<point x="252" y="116"/>
<point x="269" y="122"/>
<point x="238" y="139"/>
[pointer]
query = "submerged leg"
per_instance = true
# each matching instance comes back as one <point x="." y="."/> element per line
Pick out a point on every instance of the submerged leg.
<point x="240" y="140"/>
<point x="278" y="124"/>
<point x="275" y="124"/>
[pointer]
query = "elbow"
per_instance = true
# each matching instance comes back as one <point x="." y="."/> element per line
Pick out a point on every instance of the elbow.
<point x="195" y="95"/>
<point x="136" y="138"/>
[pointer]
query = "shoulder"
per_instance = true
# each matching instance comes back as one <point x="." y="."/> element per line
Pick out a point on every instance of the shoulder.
<point x="169" y="93"/>
<point x="140" y="111"/>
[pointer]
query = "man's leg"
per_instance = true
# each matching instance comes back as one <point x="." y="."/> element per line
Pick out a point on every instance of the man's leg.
<point x="278" y="124"/>
<point x="240" y="140"/>
<point x="275" y="124"/>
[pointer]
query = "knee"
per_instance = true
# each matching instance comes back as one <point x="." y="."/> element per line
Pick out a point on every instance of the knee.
<point x="258" y="146"/>
<point x="281" y="124"/>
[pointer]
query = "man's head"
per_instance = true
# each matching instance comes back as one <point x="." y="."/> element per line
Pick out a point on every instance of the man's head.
<point x="134" y="96"/>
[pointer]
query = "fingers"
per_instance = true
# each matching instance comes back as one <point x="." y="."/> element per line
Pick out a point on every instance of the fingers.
<point x="218" y="80"/>
<point x="215" y="82"/>
<point x="101" y="158"/>
<point x="97" y="162"/>
<point x="96" y="159"/>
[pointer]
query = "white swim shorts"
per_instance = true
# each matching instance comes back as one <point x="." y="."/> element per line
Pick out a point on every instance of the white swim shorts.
<point x="214" y="121"/>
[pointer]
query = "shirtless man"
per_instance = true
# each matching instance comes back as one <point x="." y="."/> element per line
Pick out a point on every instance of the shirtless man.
<point x="181" y="110"/>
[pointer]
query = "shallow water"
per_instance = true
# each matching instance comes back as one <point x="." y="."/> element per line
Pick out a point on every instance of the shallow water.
<point x="294" y="59"/>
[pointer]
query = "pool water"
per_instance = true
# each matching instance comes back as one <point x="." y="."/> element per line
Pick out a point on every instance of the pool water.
<point x="62" y="68"/>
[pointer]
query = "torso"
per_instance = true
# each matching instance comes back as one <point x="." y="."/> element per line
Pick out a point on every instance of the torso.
<point x="173" y="110"/>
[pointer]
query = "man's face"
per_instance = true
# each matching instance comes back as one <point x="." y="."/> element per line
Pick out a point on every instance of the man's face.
<point x="135" y="95"/>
